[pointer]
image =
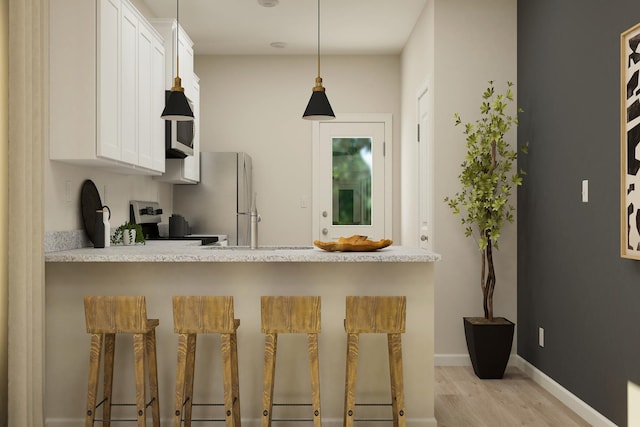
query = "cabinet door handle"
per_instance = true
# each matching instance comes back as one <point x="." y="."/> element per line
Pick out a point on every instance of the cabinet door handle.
<point x="325" y="231"/>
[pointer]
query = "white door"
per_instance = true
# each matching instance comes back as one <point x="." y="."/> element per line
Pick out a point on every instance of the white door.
<point x="351" y="182"/>
<point x="425" y="173"/>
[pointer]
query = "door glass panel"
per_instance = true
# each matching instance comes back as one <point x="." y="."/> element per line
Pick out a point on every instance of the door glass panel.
<point x="352" y="166"/>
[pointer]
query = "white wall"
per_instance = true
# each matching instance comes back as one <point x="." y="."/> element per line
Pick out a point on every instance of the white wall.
<point x="120" y="189"/>
<point x="417" y="73"/>
<point x="457" y="45"/>
<point x="255" y="104"/>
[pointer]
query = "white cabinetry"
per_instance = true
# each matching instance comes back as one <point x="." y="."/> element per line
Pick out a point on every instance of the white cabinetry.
<point x="187" y="170"/>
<point x="190" y="169"/>
<point x="107" y="79"/>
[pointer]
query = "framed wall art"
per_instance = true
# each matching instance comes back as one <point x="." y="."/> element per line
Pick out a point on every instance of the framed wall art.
<point x="630" y="142"/>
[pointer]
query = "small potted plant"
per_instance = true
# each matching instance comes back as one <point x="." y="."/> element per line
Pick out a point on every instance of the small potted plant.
<point x="128" y="234"/>
<point x="483" y="204"/>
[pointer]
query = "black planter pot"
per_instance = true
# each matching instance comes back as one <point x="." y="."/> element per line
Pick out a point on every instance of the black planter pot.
<point x="489" y="345"/>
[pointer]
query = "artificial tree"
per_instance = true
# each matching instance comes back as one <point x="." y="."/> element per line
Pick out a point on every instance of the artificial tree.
<point x="487" y="179"/>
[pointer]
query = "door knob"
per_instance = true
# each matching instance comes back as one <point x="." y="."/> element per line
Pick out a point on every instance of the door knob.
<point x="325" y="231"/>
<point x="424" y="238"/>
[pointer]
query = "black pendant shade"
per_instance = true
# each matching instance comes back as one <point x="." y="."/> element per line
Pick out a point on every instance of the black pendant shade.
<point x="318" y="107"/>
<point x="177" y="107"/>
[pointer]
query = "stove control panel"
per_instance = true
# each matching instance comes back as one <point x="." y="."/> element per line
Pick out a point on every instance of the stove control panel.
<point x="142" y="212"/>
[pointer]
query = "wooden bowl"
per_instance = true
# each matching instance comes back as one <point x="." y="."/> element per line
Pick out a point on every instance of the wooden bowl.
<point x="354" y="243"/>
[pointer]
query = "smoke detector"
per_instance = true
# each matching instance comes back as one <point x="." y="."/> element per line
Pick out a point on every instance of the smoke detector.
<point x="268" y="3"/>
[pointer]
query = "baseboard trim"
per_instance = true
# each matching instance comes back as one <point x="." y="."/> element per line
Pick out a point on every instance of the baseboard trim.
<point x="586" y="412"/>
<point x="462" y="360"/>
<point x="326" y="422"/>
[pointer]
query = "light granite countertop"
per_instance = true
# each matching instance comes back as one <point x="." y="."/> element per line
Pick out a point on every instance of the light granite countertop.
<point x="187" y="251"/>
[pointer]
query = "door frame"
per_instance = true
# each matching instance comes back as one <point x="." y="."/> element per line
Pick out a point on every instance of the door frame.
<point x="387" y="119"/>
<point x="425" y="135"/>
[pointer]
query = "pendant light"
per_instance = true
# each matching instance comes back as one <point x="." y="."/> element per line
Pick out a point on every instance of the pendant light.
<point x="177" y="106"/>
<point x="318" y="107"/>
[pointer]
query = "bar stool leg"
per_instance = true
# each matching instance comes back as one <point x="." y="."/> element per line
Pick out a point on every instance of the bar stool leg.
<point x="138" y="356"/>
<point x="350" y="381"/>
<point x="190" y="371"/>
<point x="397" y="388"/>
<point x="180" y="374"/>
<point x="152" y="365"/>
<point x="95" y="352"/>
<point x="227" y="379"/>
<point x="235" y="384"/>
<point x="109" y="354"/>
<point x="312" y="345"/>
<point x="270" y="347"/>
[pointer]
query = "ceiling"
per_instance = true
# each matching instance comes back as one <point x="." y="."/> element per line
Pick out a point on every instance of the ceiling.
<point x="244" y="27"/>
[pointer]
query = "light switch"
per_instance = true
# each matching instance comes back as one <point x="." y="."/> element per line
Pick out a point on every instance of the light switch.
<point x="585" y="191"/>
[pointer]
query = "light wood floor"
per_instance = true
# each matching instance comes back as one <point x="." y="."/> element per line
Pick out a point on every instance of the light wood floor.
<point x="464" y="400"/>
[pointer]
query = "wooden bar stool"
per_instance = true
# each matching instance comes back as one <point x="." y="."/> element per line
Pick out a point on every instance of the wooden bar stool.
<point x="107" y="316"/>
<point x="290" y="315"/>
<point x="376" y="315"/>
<point x="194" y="315"/>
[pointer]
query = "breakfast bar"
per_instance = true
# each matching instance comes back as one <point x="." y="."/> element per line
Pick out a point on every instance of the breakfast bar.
<point x="161" y="270"/>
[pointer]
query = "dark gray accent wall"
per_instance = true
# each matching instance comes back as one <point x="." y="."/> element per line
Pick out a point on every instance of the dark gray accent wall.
<point x="571" y="278"/>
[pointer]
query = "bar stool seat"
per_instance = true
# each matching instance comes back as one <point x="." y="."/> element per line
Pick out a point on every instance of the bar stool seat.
<point x="107" y="316"/>
<point x="193" y="315"/>
<point x="290" y="315"/>
<point x="375" y="315"/>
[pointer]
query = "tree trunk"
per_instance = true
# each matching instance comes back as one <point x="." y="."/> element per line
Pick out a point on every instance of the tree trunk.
<point x="490" y="281"/>
<point x="483" y="284"/>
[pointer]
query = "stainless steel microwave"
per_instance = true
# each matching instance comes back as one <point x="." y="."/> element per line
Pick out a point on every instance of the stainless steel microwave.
<point x="179" y="136"/>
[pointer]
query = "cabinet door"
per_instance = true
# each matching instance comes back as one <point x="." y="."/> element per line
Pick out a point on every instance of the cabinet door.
<point x="157" y="105"/>
<point x="108" y="57"/>
<point x="145" y="83"/>
<point x="129" y="85"/>
<point x="186" y="64"/>
<point x="192" y="163"/>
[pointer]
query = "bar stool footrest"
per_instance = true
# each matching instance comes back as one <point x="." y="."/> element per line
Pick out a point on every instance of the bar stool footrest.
<point x="292" y="404"/>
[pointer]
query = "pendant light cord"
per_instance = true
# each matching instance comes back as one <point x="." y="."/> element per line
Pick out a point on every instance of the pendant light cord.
<point x="177" y="38"/>
<point x="318" y="38"/>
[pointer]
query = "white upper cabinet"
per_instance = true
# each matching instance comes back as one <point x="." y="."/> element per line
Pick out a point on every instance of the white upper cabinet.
<point x="107" y="78"/>
<point x="191" y="164"/>
<point x="187" y="170"/>
<point x="151" y="100"/>
<point x="108" y="141"/>
<point x="167" y="29"/>
<point x="157" y="105"/>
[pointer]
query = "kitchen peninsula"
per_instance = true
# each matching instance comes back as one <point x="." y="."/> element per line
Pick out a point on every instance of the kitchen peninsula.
<point x="160" y="270"/>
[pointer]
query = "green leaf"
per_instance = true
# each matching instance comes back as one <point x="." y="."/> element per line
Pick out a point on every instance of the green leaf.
<point x="486" y="181"/>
